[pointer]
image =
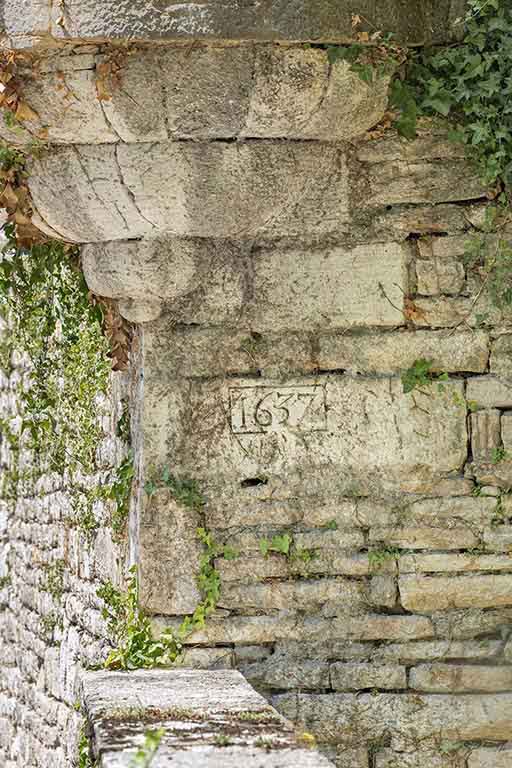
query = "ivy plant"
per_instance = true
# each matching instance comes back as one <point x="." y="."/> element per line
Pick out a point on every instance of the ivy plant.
<point x="470" y="84"/>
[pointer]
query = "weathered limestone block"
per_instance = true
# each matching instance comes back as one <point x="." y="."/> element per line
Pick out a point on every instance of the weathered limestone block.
<point x="188" y="188"/>
<point x="298" y="94"/>
<point x="425" y="537"/>
<point x="169" y="555"/>
<point x="349" y="718"/>
<point x="266" y="289"/>
<point x="468" y="623"/>
<point x="485" y="434"/>
<point x="383" y="591"/>
<point x="227" y="432"/>
<point x="65" y="99"/>
<point x="393" y="352"/>
<point x="329" y="561"/>
<point x="420" y="758"/>
<point x="194" y="708"/>
<point x="352" y="758"/>
<point x="501" y="356"/>
<point x="443" y="248"/>
<point x="439" y="276"/>
<point x="506" y="432"/>
<point x="311" y="595"/>
<point x="499" y="539"/>
<point x="444" y="512"/>
<point x="489" y="757"/>
<point x="427" y="593"/>
<point x="354" y="677"/>
<point x="418" y="23"/>
<point x="438" y="650"/>
<point x="204" y="93"/>
<point x="490" y="392"/>
<point x="458" y="678"/>
<point x="194" y="352"/>
<point x="445" y="563"/>
<point x="207" y="658"/>
<point x="281" y="673"/>
<point x="266" y="629"/>
<point x="400" y="222"/>
<point x="427" y="171"/>
<point x="337" y="287"/>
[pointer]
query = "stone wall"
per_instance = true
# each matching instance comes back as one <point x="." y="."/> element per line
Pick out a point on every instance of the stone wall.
<point x="50" y="567"/>
<point x="288" y="257"/>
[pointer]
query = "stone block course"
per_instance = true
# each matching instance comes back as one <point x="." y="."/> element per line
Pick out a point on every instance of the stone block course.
<point x="353" y="677"/>
<point x="428" y="593"/>
<point x="346" y="718"/>
<point x="331" y="21"/>
<point x="451" y="678"/>
<point x="395" y="352"/>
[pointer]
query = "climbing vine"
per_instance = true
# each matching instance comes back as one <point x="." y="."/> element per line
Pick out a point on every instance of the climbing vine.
<point x="469" y="84"/>
<point x="131" y="631"/>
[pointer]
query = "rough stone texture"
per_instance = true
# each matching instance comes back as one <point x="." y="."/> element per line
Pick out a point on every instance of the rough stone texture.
<point x="353" y="677"/>
<point x="501" y="356"/>
<point x="485" y="434"/>
<point x="176" y="188"/>
<point x="451" y="757"/>
<point x="347" y="718"/>
<point x="49" y="632"/>
<point x="169" y="555"/>
<point x="490" y="392"/>
<point x="418" y="23"/>
<point x="426" y="594"/>
<point x="195" y="709"/>
<point x="390" y="353"/>
<point x="287" y="269"/>
<point x="490" y="758"/>
<point x="447" y="678"/>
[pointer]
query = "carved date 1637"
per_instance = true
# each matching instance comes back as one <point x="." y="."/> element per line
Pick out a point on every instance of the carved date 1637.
<point x="256" y="410"/>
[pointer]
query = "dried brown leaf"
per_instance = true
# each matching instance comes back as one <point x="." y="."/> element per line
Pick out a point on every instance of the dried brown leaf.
<point x="25" y="112"/>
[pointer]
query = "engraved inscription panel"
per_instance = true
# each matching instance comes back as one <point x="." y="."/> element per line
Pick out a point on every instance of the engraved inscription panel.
<point x="260" y="409"/>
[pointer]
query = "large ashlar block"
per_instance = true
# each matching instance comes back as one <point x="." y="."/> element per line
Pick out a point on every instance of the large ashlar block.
<point x="314" y="432"/>
<point x="214" y="189"/>
<point x="414" y="22"/>
<point x="351" y="718"/>
<point x="263" y="289"/>
<point x="174" y="92"/>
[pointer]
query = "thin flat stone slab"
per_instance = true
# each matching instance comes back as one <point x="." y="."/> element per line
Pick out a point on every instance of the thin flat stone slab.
<point x="213" y="719"/>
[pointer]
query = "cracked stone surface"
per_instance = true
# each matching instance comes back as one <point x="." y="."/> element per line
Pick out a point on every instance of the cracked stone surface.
<point x="212" y="719"/>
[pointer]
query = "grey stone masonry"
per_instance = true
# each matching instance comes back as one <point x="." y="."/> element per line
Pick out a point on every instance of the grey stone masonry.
<point x="414" y="21"/>
<point x="212" y="719"/>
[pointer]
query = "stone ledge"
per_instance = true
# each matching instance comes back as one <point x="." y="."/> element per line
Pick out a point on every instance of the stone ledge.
<point x="412" y="21"/>
<point x="197" y="710"/>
